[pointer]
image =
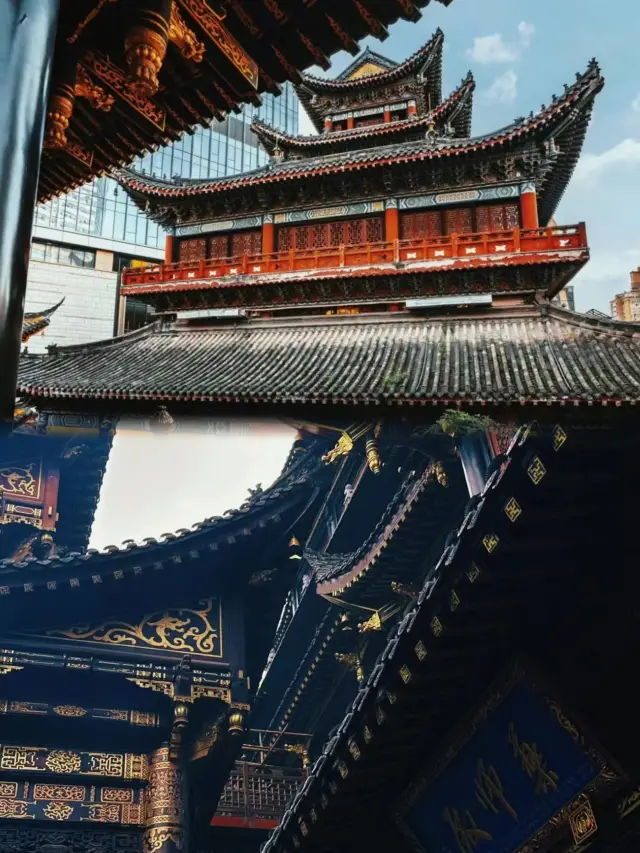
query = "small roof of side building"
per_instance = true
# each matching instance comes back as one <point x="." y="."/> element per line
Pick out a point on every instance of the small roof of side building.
<point x="36" y="321"/>
<point x="531" y="354"/>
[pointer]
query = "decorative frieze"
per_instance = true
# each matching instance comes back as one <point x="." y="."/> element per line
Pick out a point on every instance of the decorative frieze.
<point x="48" y="801"/>
<point x="219" y="225"/>
<point x="481" y="194"/>
<point x="371" y="111"/>
<point x="330" y="212"/>
<point x="43" y="709"/>
<point x="114" y="765"/>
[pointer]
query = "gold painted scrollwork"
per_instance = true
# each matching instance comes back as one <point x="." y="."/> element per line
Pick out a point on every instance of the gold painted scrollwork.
<point x="184" y="38"/>
<point x="157" y="837"/>
<point x="63" y="761"/>
<point x="95" y="95"/>
<point x="173" y="630"/>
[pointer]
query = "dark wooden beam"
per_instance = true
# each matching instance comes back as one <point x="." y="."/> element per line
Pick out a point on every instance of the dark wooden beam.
<point x="27" y="32"/>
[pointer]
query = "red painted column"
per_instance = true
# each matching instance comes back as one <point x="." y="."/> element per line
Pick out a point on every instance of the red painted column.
<point x="328" y="125"/>
<point x="168" y="249"/>
<point x="391" y="221"/>
<point x="349" y="122"/>
<point x="268" y="236"/>
<point x="387" y="115"/>
<point x="412" y="110"/>
<point x="529" y="207"/>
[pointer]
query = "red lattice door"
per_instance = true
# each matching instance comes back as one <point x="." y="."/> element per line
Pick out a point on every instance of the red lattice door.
<point x="192" y="250"/>
<point x="246" y="243"/>
<point x="219" y="246"/>
<point x="417" y="226"/>
<point x="285" y="239"/>
<point x="458" y="220"/>
<point x="497" y="217"/>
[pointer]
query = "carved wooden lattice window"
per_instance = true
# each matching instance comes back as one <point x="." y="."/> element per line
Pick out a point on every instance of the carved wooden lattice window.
<point x="192" y="250"/>
<point x="414" y="226"/>
<point x="285" y="239"/>
<point x="345" y="232"/>
<point x="219" y="246"/>
<point x="335" y="233"/>
<point x="368" y="122"/>
<point x="246" y="243"/>
<point x="354" y="233"/>
<point x="458" y="220"/>
<point x="319" y="236"/>
<point x="302" y="237"/>
<point x="497" y="217"/>
<point x="374" y="230"/>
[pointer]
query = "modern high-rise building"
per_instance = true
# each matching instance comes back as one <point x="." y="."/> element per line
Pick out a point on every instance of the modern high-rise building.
<point x="82" y="241"/>
<point x="626" y="306"/>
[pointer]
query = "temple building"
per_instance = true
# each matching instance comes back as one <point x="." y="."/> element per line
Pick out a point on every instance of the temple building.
<point x="94" y="85"/>
<point x="346" y="268"/>
<point x="392" y="645"/>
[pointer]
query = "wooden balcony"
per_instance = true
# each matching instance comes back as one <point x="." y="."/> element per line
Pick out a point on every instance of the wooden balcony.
<point x="256" y="795"/>
<point x="455" y="250"/>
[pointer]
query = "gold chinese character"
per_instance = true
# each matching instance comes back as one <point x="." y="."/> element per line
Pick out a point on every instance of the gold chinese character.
<point x="465" y="831"/>
<point x="533" y="763"/>
<point x="489" y="790"/>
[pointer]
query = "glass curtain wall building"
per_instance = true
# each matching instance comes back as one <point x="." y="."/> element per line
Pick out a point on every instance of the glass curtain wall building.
<point x="101" y="209"/>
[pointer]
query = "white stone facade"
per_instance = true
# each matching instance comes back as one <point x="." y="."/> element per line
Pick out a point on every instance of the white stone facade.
<point x="89" y="307"/>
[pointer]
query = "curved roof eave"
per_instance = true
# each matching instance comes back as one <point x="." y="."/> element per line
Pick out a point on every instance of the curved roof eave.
<point x="460" y="102"/>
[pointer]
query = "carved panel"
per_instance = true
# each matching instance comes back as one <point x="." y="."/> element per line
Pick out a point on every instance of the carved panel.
<point x="59" y="802"/>
<point x="197" y="631"/>
<point x="71" y="762"/>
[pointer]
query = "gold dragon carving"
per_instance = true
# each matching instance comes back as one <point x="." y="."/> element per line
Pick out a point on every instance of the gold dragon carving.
<point x="173" y="630"/>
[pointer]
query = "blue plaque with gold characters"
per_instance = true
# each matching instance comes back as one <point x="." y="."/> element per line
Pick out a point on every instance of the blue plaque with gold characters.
<point x="507" y="777"/>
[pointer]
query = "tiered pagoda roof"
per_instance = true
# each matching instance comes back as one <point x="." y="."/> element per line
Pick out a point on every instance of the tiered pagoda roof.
<point x="105" y="110"/>
<point x="558" y="129"/>
<point x="528" y="354"/>
<point x="359" y="85"/>
<point x="456" y="111"/>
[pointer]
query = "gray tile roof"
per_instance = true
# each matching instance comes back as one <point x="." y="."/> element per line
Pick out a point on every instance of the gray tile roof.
<point x="530" y="354"/>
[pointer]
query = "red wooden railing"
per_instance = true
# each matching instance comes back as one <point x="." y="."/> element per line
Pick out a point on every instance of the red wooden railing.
<point x="456" y="246"/>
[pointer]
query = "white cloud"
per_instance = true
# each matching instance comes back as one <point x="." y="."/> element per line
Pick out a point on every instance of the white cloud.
<point x="495" y="48"/>
<point x="492" y="49"/>
<point x="504" y="89"/>
<point x="527" y="32"/>
<point x="635" y="104"/>
<point x="625" y="154"/>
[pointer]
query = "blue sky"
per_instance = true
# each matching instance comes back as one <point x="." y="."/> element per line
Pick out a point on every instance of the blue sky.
<point x="521" y="53"/>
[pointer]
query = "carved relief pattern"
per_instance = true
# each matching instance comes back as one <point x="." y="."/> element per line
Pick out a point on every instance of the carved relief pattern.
<point x="224" y="41"/>
<point x="58" y="802"/>
<point x="22" y="480"/>
<point x="41" y="759"/>
<point x="165" y="806"/>
<point x="29" y="840"/>
<point x="86" y="88"/>
<point x="113" y="77"/>
<point x="62" y="761"/>
<point x="134" y="717"/>
<point x="173" y="630"/>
